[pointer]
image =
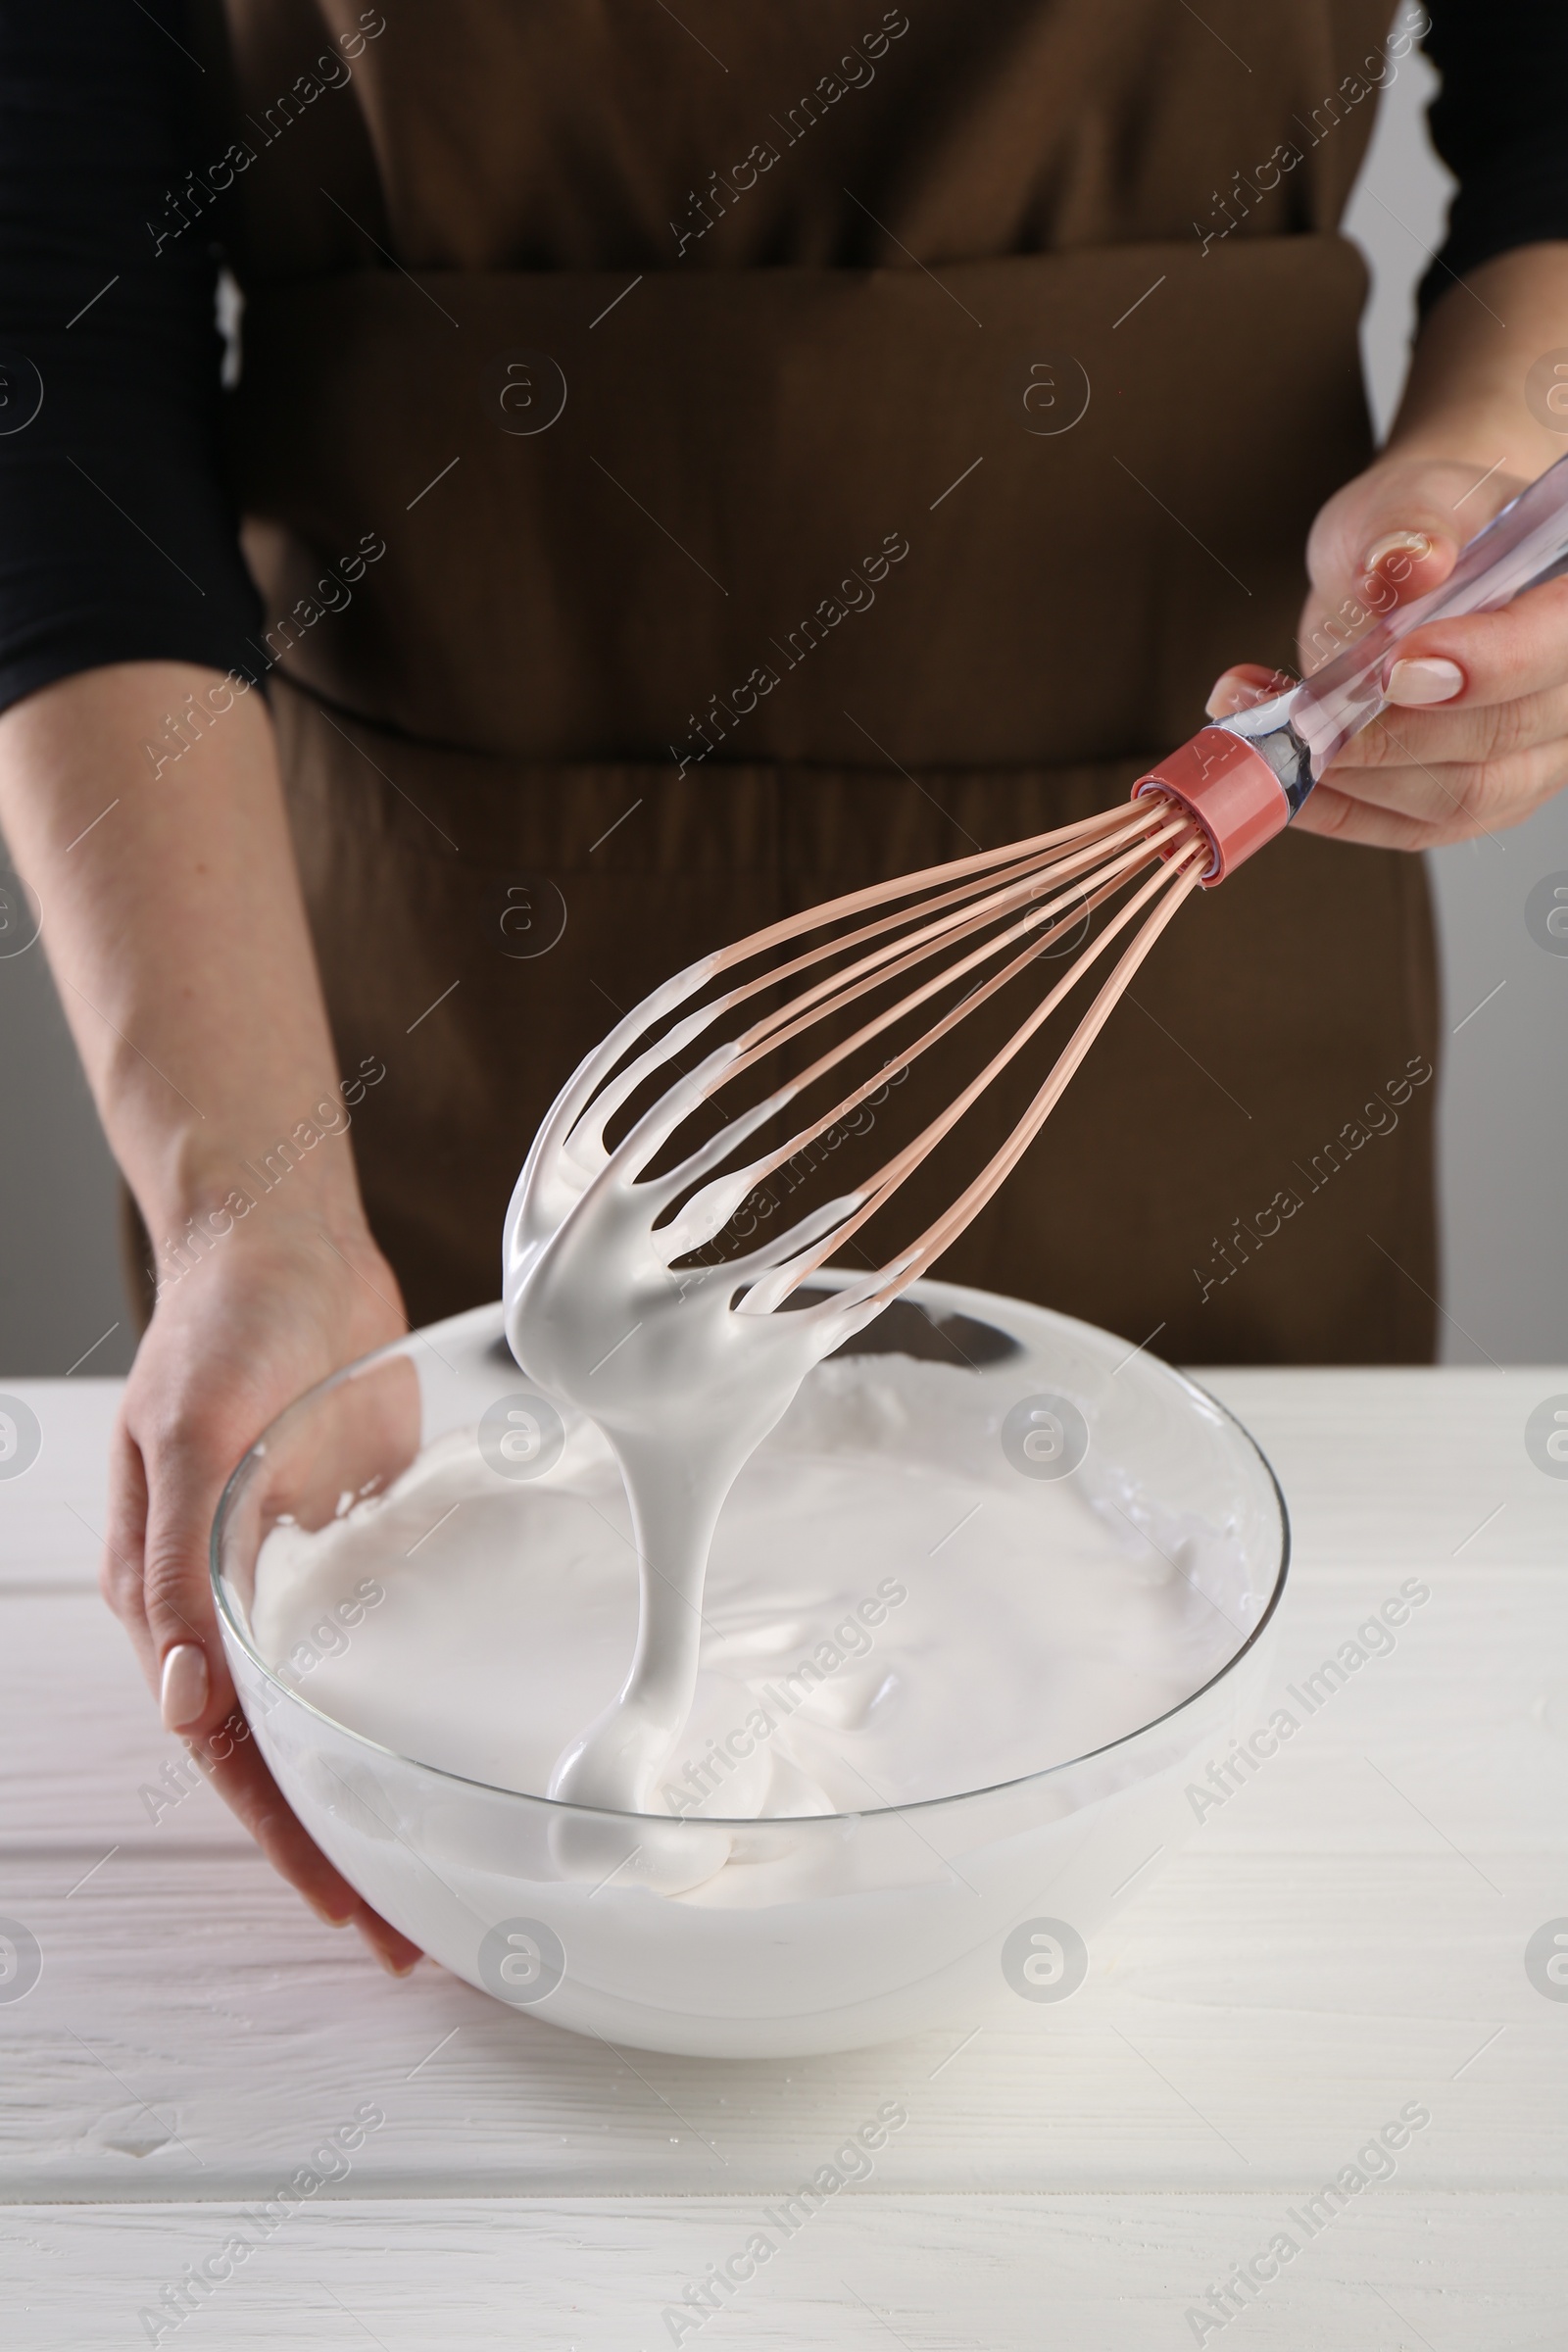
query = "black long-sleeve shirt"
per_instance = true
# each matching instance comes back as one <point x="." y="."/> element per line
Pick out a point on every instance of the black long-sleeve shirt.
<point x="118" y="541"/>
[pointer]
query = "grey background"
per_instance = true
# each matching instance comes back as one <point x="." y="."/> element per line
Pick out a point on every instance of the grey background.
<point x="1505" y="1118"/>
<point x="1503" y="1103"/>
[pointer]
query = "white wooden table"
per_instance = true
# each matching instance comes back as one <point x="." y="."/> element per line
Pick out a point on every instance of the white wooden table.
<point x="1346" y="1937"/>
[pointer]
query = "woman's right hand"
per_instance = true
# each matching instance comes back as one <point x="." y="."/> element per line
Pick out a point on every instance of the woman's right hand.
<point x="284" y="1298"/>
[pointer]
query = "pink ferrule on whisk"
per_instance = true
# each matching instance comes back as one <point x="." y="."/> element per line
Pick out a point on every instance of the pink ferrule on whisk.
<point x="1229" y="789"/>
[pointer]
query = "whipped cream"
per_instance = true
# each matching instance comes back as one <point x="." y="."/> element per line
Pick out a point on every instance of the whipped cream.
<point x="889" y="1613"/>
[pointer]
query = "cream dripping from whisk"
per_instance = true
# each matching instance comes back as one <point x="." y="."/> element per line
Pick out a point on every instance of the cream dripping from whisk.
<point x="682" y="1373"/>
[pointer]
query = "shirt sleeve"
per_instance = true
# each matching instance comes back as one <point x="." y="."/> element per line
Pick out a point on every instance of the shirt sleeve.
<point x="1500" y="125"/>
<point x="118" y="539"/>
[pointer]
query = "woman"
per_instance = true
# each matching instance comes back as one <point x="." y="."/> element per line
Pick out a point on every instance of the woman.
<point x="688" y="465"/>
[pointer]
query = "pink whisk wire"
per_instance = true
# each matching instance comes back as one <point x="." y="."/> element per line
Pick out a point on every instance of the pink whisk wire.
<point x="1037" y="890"/>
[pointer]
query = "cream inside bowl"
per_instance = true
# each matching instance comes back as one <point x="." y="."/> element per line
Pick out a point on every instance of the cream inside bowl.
<point x="990" y="1591"/>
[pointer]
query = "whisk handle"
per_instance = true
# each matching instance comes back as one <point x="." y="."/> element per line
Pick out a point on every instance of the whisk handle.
<point x="1244" y="777"/>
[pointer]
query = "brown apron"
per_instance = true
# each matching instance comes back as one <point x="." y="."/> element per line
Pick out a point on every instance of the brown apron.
<point x="664" y="460"/>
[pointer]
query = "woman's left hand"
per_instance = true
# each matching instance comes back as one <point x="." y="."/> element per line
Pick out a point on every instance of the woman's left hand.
<point x="1478" y="735"/>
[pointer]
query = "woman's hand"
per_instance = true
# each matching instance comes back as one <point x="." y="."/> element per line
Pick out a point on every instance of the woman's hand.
<point x="175" y="926"/>
<point x="264" y="1313"/>
<point x="1477" y="735"/>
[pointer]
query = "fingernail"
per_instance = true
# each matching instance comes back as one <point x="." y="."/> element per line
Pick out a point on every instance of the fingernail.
<point x="183" y="1692"/>
<point x="329" y="1919"/>
<point x="1414" y="544"/>
<point x="1415" y="682"/>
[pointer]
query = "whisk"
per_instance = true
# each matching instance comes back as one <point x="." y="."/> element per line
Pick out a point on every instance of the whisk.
<point x="972" y="926"/>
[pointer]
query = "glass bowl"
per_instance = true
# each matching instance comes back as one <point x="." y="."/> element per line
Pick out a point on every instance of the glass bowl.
<point x="829" y="1930"/>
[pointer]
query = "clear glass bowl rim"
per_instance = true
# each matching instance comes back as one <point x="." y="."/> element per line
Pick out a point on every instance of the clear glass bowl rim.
<point x="402" y="1347"/>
